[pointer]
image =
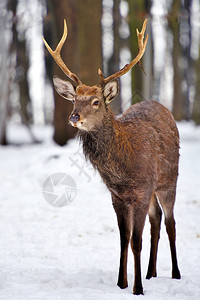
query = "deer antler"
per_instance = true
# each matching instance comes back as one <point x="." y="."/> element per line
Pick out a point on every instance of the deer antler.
<point x="127" y="67"/>
<point x="58" y="59"/>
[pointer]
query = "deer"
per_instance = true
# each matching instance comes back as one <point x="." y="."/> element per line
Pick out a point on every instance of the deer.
<point x="136" y="155"/>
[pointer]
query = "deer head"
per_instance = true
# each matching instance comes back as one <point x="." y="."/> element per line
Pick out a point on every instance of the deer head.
<point x="90" y="102"/>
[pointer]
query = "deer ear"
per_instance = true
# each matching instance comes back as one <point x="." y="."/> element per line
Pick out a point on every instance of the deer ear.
<point x="111" y="90"/>
<point x="64" y="88"/>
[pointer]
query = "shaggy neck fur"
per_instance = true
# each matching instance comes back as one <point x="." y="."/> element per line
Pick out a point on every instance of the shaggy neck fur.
<point x="97" y="143"/>
<point x="108" y="149"/>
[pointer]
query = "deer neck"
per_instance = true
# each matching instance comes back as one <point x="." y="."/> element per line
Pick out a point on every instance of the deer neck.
<point x="106" y="148"/>
<point x="99" y="143"/>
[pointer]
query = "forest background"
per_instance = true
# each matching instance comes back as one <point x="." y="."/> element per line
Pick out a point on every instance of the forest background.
<point x="102" y="34"/>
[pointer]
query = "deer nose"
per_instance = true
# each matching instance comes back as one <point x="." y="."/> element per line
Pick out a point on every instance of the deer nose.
<point x="75" y="117"/>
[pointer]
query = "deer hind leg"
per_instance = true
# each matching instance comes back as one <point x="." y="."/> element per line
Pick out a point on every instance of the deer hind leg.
<point x="167" y="199"/>
<point x="124" y="223"/>
<point x="155" y="216"/>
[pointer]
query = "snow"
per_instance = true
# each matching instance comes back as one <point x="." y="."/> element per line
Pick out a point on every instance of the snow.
<point x="72" y="252"/>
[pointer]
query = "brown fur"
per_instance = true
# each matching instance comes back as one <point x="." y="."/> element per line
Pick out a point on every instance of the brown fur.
<point x="137" y="157"/>
<point x="86" y="90"/>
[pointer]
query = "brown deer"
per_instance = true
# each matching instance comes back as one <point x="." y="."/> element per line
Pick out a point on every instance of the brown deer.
<point x="136" y="155"/>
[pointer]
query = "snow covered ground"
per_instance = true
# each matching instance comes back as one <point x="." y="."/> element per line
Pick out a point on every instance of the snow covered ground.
<point x="72" y="252"/>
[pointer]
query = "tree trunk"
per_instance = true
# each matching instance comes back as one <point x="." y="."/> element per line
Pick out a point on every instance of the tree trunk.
<point x="180" y="100"/>
<point x="196" y="104"/>
<point x="89" y="49"/>
<point x="5" y="32"/>
<point x="136" y="8"/>
<point x="113" y="63"/>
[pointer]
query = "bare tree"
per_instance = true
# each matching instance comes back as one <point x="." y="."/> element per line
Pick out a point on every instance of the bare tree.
<point x="5" y="40"/>
<point x="136" y="8"/>
<point x="180" y="54"/>
<point x="196" y="104"/>
<point x="113" y="62"/>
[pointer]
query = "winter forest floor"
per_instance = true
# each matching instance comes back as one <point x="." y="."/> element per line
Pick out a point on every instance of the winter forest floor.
<point x="72" y="252"/>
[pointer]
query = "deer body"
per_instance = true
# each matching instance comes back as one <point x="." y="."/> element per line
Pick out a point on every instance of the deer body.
<point x="136" y="149"/>
<point x="137" y="157"/>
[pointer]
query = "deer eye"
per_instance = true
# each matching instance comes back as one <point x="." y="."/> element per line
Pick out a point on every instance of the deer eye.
<point x="95" y="103"/>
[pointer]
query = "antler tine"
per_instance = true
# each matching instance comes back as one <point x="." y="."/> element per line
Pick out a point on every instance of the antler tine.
<point x="101" y="77"/>
<point x="58" y="59"/>
<point x="142" y="48"/>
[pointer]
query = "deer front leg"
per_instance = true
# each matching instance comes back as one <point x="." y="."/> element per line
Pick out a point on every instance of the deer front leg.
<point x="124" y="223"/>
<point x="136" y="245"/>
<point x="124" y="241"/>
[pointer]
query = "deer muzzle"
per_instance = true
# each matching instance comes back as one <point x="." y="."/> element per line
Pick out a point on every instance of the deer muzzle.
<point x="75" y="117"/>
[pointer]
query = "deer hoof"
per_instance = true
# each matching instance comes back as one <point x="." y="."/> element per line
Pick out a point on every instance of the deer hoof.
<point x="122" y="285"/>
<point x="138" y="290"/>
<point x="176" y="274"/>
<point x="150" y="275"/>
